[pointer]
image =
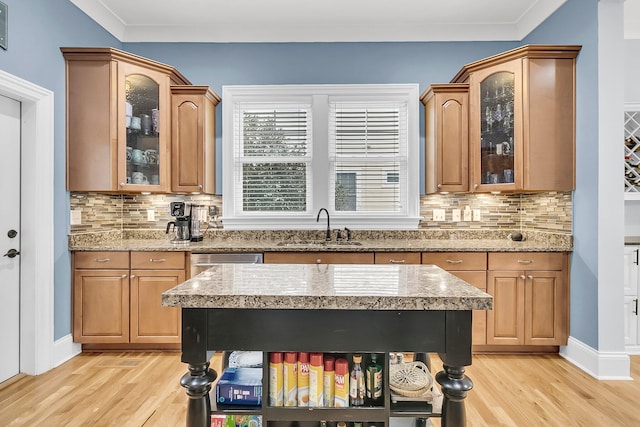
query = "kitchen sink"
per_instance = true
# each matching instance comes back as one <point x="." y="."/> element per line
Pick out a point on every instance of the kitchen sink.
<point x="317" y="244"/>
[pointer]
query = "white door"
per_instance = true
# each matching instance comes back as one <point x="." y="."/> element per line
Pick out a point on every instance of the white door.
<point x="10" y="238"/>
<point x="631" y="269"/>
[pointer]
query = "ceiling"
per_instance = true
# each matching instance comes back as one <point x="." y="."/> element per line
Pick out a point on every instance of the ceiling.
<point x="323" y="20"/>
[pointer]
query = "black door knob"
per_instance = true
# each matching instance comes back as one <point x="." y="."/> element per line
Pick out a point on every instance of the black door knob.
<point x="11" y="253"/>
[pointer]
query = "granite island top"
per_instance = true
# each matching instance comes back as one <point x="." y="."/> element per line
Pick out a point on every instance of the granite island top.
<point x="326" y="287"/>
<point x="271" y="241"/>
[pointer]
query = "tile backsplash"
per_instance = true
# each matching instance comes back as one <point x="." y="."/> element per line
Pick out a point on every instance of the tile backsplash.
<point x="549" y="211"/>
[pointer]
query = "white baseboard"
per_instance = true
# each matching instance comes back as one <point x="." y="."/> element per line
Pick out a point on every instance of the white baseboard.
<point x="64" y="349"/>
<point x="600" y="365"/>
<point x="632" y="349"/>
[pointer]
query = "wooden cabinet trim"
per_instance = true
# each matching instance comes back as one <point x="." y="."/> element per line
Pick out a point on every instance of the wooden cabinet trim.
<point x="319" y="258"/>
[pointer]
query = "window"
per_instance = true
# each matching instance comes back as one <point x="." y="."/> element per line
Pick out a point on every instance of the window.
<point x="290" y="150"/>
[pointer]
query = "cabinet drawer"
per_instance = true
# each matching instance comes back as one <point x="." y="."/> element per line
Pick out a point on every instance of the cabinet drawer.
<point x="318" y="258"/>
<point x="526" y="261"/>
<point x="101" y="260"/>
<point x="397" y="257"/>
<point x="457" y="261"/>
<point x="157" y="260"/>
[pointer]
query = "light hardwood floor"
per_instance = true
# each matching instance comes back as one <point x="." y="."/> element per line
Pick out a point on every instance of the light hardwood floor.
<point x="142" y="389"/>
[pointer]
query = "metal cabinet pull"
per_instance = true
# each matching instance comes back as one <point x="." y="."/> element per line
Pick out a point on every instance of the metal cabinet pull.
<point x="318" y="261"/>
<point x="397" y="261"/>
<point x="530" y="277"/>
<point x="636" y="310"/>
<point x="133" y="276"/>
<point x="454" y="261"/>
<point x="522" y="276"/>
<point x="636" y="261"/>
<point x="525" y="261"/>
<point x="102" y="259"/>
<point x="124" y="276"/>
<point x="157" y="260"/>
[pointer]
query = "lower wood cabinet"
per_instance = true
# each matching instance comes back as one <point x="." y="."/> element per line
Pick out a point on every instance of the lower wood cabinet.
<point x="530" y="299"/>
<point x="117" y="297"/>
<point x="397" y="258"/>
<point x="472" y="268"/>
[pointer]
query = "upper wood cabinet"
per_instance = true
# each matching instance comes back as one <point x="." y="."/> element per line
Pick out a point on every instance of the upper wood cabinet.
<point x="446" y="138"/>
<point x="118" y="121"/>
<point x="522" y="119"/>
<point x="193" y="139"/>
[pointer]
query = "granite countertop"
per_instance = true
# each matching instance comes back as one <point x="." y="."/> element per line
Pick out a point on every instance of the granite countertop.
<point x="299" y="241"/>
<point x="341" y="287"/>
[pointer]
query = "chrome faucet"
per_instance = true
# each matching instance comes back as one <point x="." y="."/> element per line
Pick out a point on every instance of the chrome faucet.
<point x="328" y="235"/>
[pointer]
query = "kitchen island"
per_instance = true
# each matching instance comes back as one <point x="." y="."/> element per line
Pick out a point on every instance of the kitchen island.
<point x="326" y="308"/>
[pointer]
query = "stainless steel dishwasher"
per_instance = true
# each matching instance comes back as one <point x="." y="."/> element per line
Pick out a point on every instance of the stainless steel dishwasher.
<point x="201" y="262"/>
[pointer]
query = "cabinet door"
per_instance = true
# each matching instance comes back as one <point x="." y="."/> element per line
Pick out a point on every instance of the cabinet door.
<point x="193" y="139"/>
<point x="143" y="129"/>
<point x="495" y="127"/>
<point x="631" y="320"/>
<point x="631" y="270"/>
<point x="545" y="306"/>
<point x="505" y="323"/>
<point x="150" y="321"/>
<point x="318" y="258"/>
<point x="446" y="138"/>
<point x="101" y="306"/>
<point x="479" y="326"/>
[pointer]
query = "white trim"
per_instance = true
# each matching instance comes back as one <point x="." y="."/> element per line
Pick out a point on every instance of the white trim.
<point x="64" y="349"/>
<point x="633" y="349"/>
<point x="36" y="242"/>
<point x="600" y="365"/>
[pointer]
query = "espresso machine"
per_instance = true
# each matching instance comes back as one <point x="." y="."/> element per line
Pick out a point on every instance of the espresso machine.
<point x="197" y="219"/>
<point x="181" y="224"/>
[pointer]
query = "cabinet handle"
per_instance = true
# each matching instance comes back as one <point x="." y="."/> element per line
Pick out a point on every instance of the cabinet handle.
<point x="522" y="276"/>
<point x="318" y="261"/>
<point x="200" y="186"/>
<point x="530" y="277"/>
<point x="133" y="276"/>
<point x="475" y="186"/>
<point x="124" y="276"/>
<point x="454" y="261"/>
<point x="525" y="261"/>
<point x="397" y="261"/>
<point x="439" y="185"/>
<point x="122" y="184"/>
<point x="636" y="310"/>
<point x="636" y="262"/>
<point x="157" y="260"/>
<point x="102" y="259"/>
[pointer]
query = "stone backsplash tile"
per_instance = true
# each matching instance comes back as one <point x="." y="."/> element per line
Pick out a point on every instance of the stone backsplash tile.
<point x="543" y="212"/>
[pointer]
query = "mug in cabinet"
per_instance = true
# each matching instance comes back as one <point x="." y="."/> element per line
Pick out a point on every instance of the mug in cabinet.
<point x="139" y="178"/>
<point x="135" y="123"/>
<point x="145" y="124"/>
<point x="137" y="156"/>
<point x="152" y="156"/>
<point x="129" y="153"/>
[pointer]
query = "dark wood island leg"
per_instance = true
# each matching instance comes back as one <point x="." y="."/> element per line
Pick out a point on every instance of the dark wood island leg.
<point x="455" y="386"/>
<point x="197" y="383"/>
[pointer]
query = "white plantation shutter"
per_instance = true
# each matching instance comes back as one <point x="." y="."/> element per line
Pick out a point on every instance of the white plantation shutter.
<point x="290" y="150"/>
<point x="273" y="158"/>
<point x="368" y="156"/>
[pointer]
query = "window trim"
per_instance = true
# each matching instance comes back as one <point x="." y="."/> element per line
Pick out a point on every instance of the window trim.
<point x="320" y="95"/>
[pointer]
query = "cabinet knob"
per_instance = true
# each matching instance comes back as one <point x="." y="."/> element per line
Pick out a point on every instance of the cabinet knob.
<point x="124" y="276"/>
<point x="122" y="184"/>
<point x="530" y="277"/>
<point x="318" y="261"/>
<point x="475" y="186"/>
<point x="439" y="185"/>
<point x="522" y="276"/>
<point x="133" y="276"/>
<point x="200" y="186"/>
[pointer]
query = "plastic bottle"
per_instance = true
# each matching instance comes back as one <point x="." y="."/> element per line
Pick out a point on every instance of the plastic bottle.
<point x="356" y="382"/>
<point x="276" y="390"/>
<point x="316" y="380"/>
<point x="374" y="380"/>
<point x="329" y="384"/>
<point x="341" y="392"/>
<point x="290" y="379"/>
<point x="303" y="379"/>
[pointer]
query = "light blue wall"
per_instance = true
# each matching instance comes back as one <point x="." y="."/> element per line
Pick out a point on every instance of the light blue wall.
<point x="37" y="30"/>
<point x="39" y="27"/>
<point x="576" y="22"/>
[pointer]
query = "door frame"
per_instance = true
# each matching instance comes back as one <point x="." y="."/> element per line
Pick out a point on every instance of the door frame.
<point x="36" y="223"/>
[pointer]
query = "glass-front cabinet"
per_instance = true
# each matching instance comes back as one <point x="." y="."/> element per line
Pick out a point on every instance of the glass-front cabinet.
<point x="118" y="121"/>
<point x="522" y="119"/>
<point x="145" y="124"/>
